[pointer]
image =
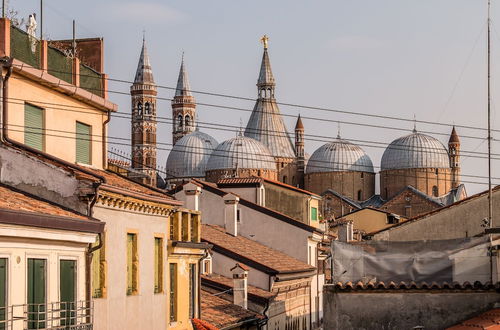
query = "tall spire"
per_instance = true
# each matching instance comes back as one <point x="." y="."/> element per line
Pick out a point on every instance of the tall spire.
<point x="183" y="88"/>
<point x="266" y="77"/>
<point x="266" y="124"/>
<point x="144" y="73"/>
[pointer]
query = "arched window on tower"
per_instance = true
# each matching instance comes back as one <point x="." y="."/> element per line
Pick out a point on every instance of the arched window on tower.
<point x="435" y="191"/>
<point x="187" y="121"/>
<point x="139" y="109"/>
<point x="180" y="123"/>
<point x="147" y="108"/>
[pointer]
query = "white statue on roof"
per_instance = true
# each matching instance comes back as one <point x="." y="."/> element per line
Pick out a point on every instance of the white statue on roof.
<point x="31" y="30"/>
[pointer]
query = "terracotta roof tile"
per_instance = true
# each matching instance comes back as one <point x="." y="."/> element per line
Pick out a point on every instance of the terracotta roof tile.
<point x="251" y="253"/>
<point x="221" y="313"/>
<point x="202" y="325"/>
<point x="489" y="320"/>
<point x="17" y="201"/>
<point x="226" y="283"/>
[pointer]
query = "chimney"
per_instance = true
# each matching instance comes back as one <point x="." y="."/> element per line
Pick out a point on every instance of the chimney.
<point x="240" y="286"/>
<point x="230" y="214"/>
<point x="192" y="193"/>
<point x="346" y="231"/>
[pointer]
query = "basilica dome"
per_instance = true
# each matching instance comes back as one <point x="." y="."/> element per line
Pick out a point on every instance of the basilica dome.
<point x="416" y="150"/>
<point x="243" y="153"/>
<point x="339" y="156"/>
<point x="189" y="156"/>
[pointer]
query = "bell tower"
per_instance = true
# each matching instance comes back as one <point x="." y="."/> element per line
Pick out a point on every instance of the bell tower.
<point x="299" y="152"/>
<point x="183" y="107"/>
<point x="143" y="92"/>
<point x="454" y="154"/>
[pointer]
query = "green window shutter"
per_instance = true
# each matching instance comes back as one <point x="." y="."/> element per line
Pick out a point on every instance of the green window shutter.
<point x="158" y="265"/>
<point x="173" y="292"/>
<point x="314" y="213"/>
<point x="96" y="273"/>
<point x="83" y="143"/>
<point x="3" y="291"/>
<point x="33" y="126"/>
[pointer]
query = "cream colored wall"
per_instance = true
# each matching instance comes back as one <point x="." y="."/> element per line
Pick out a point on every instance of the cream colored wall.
<point x="145" y="310"/>
<point x="368" y="220"/>
<point x="60" y="144"/>
<point x="20" y="243"/>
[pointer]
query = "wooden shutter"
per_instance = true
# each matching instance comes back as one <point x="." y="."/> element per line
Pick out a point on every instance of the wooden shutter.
<point x="83" y="143"/>
<point x="33" y="126"/>
<point x="3" y="291"/>
<point x="158" y="265"/>
<point x="96" y="273"/>
<point x="130" y="261"/>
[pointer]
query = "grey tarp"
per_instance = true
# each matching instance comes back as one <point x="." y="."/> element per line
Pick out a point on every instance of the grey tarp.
<point x="431" y="261"/>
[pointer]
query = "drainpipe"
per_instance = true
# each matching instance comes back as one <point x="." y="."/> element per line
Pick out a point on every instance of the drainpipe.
<point x="199" y="282"/>
<point x="104" y="141"/>
<point x="88" y="279"/>
<point x="7" y="63"/>
<point x="264" y="321"/>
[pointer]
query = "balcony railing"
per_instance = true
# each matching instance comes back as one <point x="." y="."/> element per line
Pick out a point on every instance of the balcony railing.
<point x="76" y="315"/>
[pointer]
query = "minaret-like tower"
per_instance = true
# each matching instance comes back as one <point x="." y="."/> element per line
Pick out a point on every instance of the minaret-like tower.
<point x="143" y="93"/>
<point x="454" y="152"/>
<point x="299" y="152"/>
<point x="183" y="107"/>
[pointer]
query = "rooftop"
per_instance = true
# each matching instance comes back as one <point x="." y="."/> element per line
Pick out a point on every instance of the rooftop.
<point x="487" y="320"/>
<point x="252" y="253"/>
<point x="221" y="313"/>
<point x="224" y="283"/>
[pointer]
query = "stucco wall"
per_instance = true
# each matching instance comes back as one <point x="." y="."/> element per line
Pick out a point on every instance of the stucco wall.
<point x="287" y="201"/>
<point x="403" y="310"/>
<point x="60" y="117"/>
<point x="368" y="220"/>
<point x="145" y="310"/>
<point x="461" y="220"/>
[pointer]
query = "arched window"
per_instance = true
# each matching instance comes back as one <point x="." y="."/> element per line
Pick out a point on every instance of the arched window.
<point x="180" y="122"/>
<point x="435" y="191"/>
<point x="139" y="109"/>
<point x="187" y="121"/>
<point x="147" y="108"/>
<point x="284" y="179"/>
<point x="293" y="181"/>
<point x="360" y="195"/>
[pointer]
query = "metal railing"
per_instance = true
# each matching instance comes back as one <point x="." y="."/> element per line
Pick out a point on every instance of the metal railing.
<point x="77" y="315"/>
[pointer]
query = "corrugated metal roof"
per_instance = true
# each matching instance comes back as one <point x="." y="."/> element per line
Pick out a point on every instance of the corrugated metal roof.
<point x="189" y="156"/>
<point x="241" y="152"/>
<point x="339" y="156"/>
<point x="415" y="150"/>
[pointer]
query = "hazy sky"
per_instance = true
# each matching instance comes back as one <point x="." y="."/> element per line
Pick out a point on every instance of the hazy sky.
<point x="386" y="57"/>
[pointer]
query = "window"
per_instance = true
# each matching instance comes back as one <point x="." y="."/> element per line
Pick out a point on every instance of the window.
<point x="147" y="108"/>
<point x="158" y="264"/>
<point x="284" y="178"/>
<point x="362" y="175"/>
<point x="435" y="191"/>
<point x="185" y="227"/>
<point x="98" y="271"/>
<point x="173" y="292"/>
<point x="194" y="228"/>
<point x="33" y="126"/>
<point x="67" y="291"/>
<point x="187" y="121"/>
<point x="37" y="284"/>
<point x="360" y="195"/>
<point x="139" y="109"/>
<point x="132" y="264"/>
<point x="238" y="216"/>
<point x="206" y="267"/>
<point x="180" y="122"/>
<point x="192" y="290"/>
<point x="314" y="213"/>
<point x="83" y="143"/>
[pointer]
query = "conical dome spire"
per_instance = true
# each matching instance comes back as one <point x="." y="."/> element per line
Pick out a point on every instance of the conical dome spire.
<point x="183" y="88"/>
<point x="299" y="124"/>
<point x="266" y="124"/>
<point x="454" y="136"/>
<point x="144" y="73"/>
<point x="266" y="77"/>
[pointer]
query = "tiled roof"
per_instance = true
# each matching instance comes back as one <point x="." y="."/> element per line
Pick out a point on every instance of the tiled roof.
<point x="488" y="320"/>
<point x="202" y="325"/>
<point x="221" y="313"/>
<point x="252" y="253"/>
<point x="349" y="286"/>
<point x="17" y="201"/>
<point x="225" y="283"/>
<point x="290" y="187"/>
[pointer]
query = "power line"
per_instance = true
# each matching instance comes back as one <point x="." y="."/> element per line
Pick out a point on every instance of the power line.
<point x="201" y="153"/>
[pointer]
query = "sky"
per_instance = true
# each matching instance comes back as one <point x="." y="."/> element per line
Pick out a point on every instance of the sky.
<point x="400" y="58"/>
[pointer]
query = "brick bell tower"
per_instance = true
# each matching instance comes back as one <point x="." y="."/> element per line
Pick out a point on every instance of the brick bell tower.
<point x="454" y="152"/>
<point x="299" y="152"/>
<point x="183" y="107"/>
<point x="143" y="93"/>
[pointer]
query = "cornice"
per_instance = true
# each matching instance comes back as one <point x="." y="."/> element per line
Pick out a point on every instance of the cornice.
<point x="115" y="200"/>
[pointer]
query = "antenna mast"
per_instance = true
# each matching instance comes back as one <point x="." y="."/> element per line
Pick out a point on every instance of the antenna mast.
<point x="490" y="210"/>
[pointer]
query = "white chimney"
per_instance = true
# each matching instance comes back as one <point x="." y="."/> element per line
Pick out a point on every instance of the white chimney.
<point x="192" y="193"/>
<point x="240" y="285"/>
<point x="346" y="231"/>
<point x="231" y="214"/>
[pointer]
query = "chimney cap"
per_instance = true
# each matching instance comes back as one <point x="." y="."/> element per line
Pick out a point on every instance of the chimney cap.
<point x="240" y="266"/>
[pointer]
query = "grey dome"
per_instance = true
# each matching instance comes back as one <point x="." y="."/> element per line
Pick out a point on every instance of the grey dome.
<point x="415" y="151"/>
<point x="188" y="158"/>
<point x="339" y="156"/>
<point x="241" y="152"/>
